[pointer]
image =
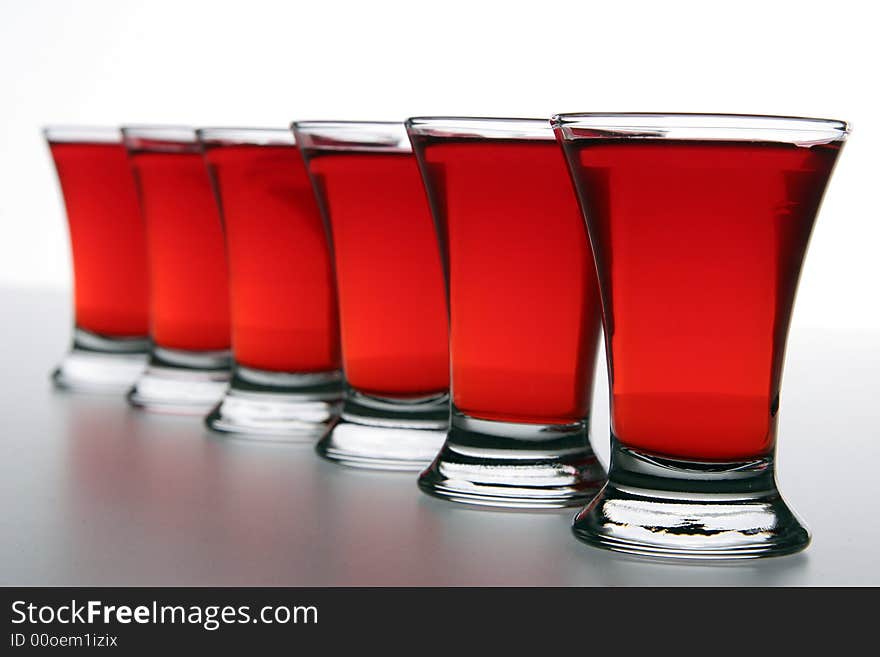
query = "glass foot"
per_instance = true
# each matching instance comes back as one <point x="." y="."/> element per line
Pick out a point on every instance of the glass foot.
<point x="91" y="371"/>
<point x="181" y="382"/>
<point x="667" y="508"/>
<point x="278" y="405"/>
<point x="502" y="464"/>
<point x="100" y="364"/>
<point x="385" y="434"/>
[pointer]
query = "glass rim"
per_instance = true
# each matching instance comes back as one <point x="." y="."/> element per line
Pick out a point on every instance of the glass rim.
<point x="482" y="127"/>
<point x="160" y="138"/>
<point x="94" y="134"/>
<point x="802" y="131"/>
<point x="365" y="136"/>
<point x="223" y="136"/>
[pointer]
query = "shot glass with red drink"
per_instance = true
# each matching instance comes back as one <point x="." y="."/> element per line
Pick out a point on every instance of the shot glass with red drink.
<point x="392" y="305"/>
<point x="524" y="314"/>
<point x="189" y="287"/>
<point x="108" y="245"/>
<point x="286" y="378"/>
<point x="699" y="226"/>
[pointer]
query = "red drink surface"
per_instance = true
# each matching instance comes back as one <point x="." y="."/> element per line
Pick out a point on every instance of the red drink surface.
<point x="189" y="294"/>
<point x="283" y="299"/>
<point x="699" y="248"/>
<point x="524" y="302"/>
<point x="107" y="238"/>
<point x="392" y="304"/>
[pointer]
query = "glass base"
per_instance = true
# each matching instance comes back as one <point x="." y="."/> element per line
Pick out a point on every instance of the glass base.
<point x="181" y="382"/>
<point x="520" y="466"/>
<point x="387" y="434"/>
<point x="667" y="508"/>
<point x="99" y="364"/>
<point x="278" y="405"/>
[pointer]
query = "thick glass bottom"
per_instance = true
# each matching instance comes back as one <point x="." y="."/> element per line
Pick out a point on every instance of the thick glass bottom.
<point x="387" y="434"/>
<point x="181" y="382"/>
<point x="504" y="464"/>
<point x="668" y="508"/>
<point x="278" y="405"/>
<point x="100" y="364"/>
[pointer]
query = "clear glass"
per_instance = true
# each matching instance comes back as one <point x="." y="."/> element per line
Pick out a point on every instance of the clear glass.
<point x="189" y="292"/>
<point x="524" y="314"/>
<point x="286" y="378"/>
<point x="699" y="225"/>
<point x="392" y="310"/>
<point x="111" y="305"/>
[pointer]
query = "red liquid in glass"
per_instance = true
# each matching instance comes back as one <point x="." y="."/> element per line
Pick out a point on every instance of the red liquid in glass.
<point x="524" y="302"/>
<point x="389" y="275"/>
<point x="699" y="248"/>
<point x="188" y="284"/>
<point x="283" y="299"/>
<point x="107" y="238"/>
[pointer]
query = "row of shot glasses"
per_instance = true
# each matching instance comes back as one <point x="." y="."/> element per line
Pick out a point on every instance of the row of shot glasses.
<point x="424" y="296"/>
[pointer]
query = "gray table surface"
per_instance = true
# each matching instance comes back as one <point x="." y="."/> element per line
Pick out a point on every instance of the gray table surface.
<point x="95" y="493"/>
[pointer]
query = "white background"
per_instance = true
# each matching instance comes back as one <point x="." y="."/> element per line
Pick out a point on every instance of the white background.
<point x="267" y="63"/>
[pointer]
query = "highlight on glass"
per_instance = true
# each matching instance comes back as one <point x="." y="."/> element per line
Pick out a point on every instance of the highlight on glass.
<point x="286" y="378"/>
<point x="699" y="225"/>
<point x="524" y="314"/>
<point x="189" y="295"/>
<point x="111" y="307"/>
<point x="392" y="308"/>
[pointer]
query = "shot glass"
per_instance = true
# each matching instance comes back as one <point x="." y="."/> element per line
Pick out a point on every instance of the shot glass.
<point x="524" y="314"/>
<point x="699" y="225"/>
<point x="286" y="380"/>
<point x="111" y="306"/>
<point x="189" y="292"/>
<point x="392" y="307"/>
